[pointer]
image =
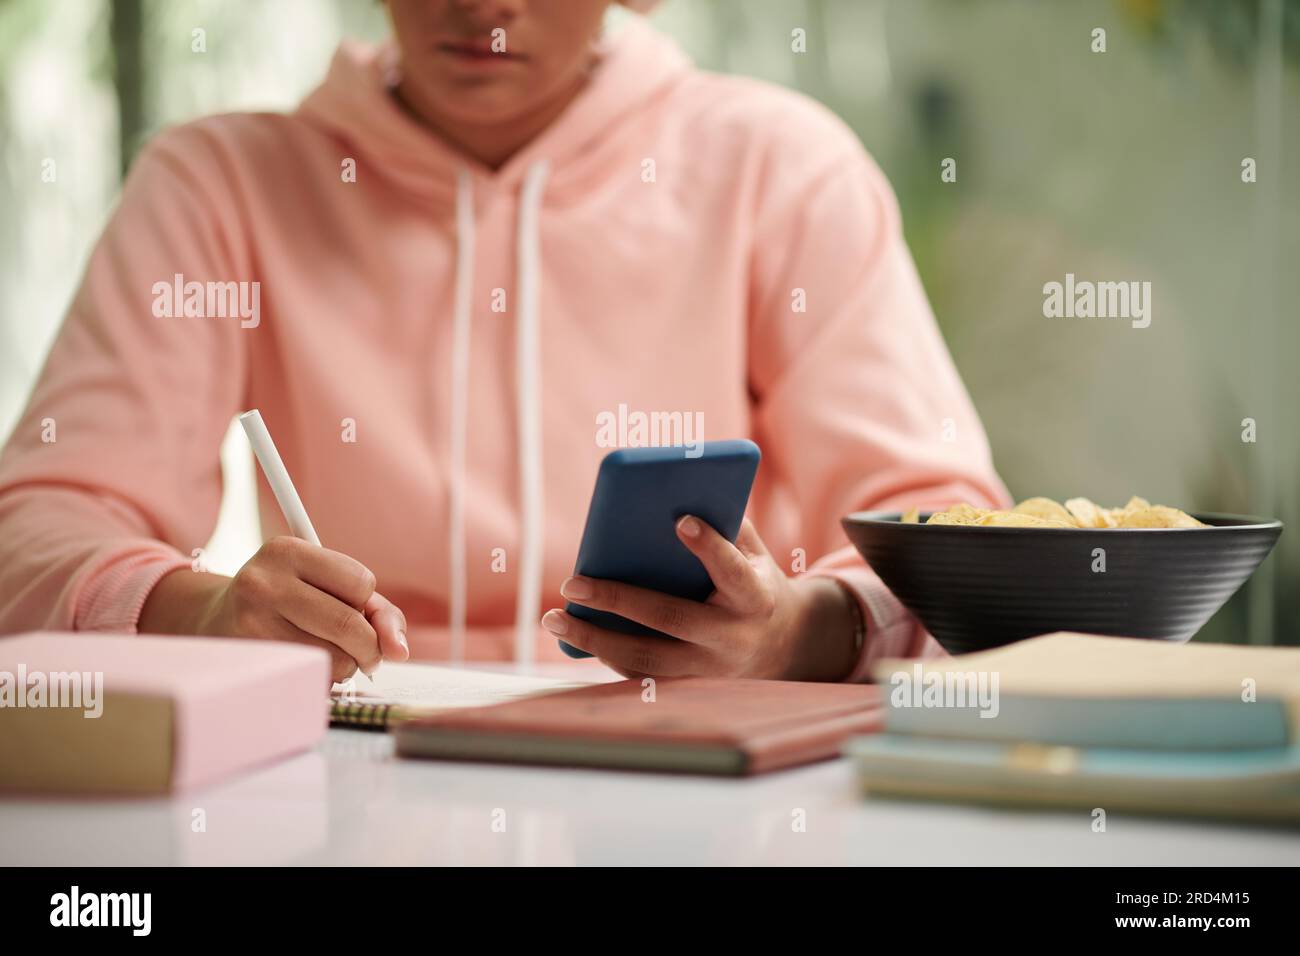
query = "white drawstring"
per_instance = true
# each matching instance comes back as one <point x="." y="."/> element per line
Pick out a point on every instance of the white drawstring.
<point x="528" y="598"/>
<point x="529" y="593"/>
<point x="459" y="409"/>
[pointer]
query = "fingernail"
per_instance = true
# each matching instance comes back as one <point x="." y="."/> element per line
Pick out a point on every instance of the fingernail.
<point x="689" y="527"/>
<point x="576" y="588"/>
<point x="554" y="622"/>
<point x="401" y="639"/>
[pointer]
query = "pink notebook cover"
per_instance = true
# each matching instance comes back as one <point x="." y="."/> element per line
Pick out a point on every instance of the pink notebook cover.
<point x="238" y="703"/>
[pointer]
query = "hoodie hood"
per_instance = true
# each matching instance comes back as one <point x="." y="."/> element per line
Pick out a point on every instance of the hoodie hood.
<point x="355" y="104"/>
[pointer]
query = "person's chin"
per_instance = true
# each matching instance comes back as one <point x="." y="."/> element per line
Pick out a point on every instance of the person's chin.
<point x="482" y="103"/>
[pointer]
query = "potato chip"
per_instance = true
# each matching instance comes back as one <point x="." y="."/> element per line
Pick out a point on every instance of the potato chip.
<point x="1088" y="514"/>
<point x="1046" y="509"/>
<point x="1013" y="519"/>
<point x="911" y="516"/>
<point x="1075" y="513"/>
<point x="1158" y="516"/>
<point x="958" y="514"/>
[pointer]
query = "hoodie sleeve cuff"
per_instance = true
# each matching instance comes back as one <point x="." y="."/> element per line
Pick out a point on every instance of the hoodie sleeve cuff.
<point x="113" y="596"/>
<point x="891" y="630"/>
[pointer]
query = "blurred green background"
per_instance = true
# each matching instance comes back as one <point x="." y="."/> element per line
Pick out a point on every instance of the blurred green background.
<point x="1122" y="165"/>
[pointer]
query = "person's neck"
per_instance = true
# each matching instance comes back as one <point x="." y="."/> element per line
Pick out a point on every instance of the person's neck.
<point x="492" y="144"/>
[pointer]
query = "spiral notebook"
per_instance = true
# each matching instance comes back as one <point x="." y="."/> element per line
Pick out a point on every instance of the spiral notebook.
<point x="401" y="692"/>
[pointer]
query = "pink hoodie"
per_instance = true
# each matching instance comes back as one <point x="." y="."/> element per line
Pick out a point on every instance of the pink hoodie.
<point x="676" y="242"/>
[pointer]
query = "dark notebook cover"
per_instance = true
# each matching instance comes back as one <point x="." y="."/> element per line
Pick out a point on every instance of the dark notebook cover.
<point x="688" y="724"/>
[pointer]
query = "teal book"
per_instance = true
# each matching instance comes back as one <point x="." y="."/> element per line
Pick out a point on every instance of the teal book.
<point x="1082" y="690"/>
<point x="1144" y="723"/>
<point x="1261" y="784"/>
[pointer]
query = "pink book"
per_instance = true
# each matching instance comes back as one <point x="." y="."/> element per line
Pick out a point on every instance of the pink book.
<point x="106" y="713"/>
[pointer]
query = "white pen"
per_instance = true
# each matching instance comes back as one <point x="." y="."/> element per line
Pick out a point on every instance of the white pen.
<point x="277" y="476"/>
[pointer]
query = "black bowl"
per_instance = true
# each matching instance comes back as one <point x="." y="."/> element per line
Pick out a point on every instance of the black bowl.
<point x="975" y="588"/>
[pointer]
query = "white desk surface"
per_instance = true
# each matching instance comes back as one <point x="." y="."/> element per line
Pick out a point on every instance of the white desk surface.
<point x="351" y="802"/>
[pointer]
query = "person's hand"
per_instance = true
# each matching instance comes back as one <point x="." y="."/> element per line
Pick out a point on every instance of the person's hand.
<point x="757" y="623"/>
<point x="289" y="591"/>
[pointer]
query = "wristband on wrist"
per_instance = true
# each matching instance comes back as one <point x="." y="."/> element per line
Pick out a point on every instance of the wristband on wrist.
<point x="859" y="619"/>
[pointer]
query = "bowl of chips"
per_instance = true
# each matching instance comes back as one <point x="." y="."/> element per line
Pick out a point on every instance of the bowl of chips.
<point x="978" y="578"/>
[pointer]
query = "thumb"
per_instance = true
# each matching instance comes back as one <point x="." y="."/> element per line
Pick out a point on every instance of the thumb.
<point x="390" y="625"/>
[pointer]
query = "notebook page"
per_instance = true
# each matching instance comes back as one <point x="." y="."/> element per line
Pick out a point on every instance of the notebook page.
<point x="435" y="686"/>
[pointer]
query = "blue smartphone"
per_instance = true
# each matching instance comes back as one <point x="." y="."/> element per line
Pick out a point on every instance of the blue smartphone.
<point x="631" y="531"/>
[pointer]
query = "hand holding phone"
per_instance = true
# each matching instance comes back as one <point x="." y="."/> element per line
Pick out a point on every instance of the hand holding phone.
<point x="671" y="580"/>
<point x="640" y="495"/>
